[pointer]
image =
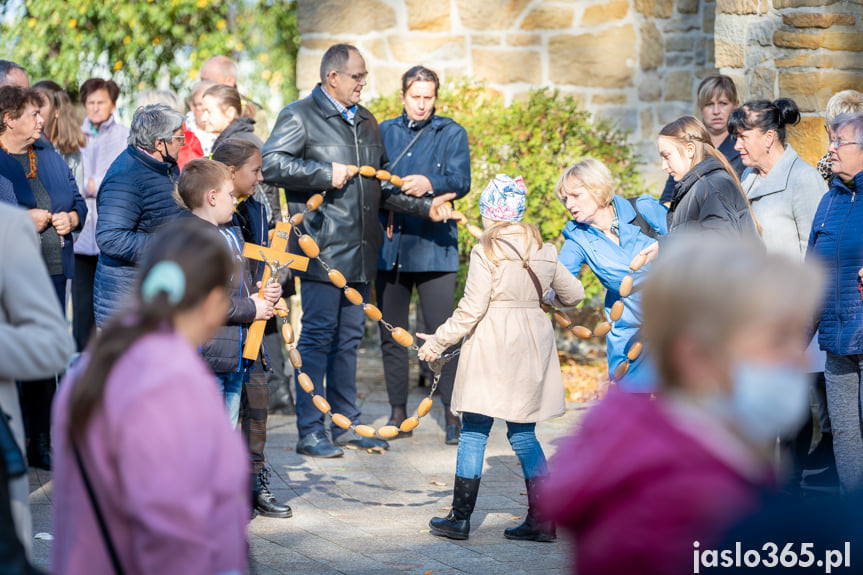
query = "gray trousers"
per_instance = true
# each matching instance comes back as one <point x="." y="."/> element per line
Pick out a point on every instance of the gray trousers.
<point x="843" y="375"/>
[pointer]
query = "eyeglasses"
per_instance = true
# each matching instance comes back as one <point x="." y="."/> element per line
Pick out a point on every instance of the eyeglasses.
<point x="354" y="77"/>
<point x="839" y="143"/>
<point x="181" y="138"/>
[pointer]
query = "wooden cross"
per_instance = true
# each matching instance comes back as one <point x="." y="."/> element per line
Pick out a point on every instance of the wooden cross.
<point x="276" y="257"/>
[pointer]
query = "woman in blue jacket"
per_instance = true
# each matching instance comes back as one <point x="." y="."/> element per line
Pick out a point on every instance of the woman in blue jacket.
<point x="135" y="198"/>
<point x="44" y="185"/>
<point x="837" y="242"/>
<point x="431" y="155"/>
<point x="607" y="231"/>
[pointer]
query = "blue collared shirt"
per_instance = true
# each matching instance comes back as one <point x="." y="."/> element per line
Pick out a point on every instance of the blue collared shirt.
<point x="347" y="113"/>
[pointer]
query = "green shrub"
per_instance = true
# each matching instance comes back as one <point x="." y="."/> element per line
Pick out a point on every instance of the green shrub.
<point x="536" y="138"/>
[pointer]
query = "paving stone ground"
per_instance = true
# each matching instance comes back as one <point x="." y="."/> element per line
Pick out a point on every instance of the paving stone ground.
<point x="368" y="514"/>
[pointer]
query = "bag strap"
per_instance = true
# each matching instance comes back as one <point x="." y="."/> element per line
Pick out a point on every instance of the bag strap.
<point x="642" y="224"/>
<point x="106" y="537"/>
<point x="526" y="266"/>
<point x="407" y="148"/>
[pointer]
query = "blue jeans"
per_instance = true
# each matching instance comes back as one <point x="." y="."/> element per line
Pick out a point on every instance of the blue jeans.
<point x="231" y="386"/>
<point x="474" y="435"/>
<point x="332" y="330"/>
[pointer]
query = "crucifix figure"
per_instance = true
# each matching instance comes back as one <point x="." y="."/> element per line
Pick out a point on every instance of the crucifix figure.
<point x="273" y="257"/>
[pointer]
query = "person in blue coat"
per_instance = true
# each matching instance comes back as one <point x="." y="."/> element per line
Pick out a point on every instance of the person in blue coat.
<point x="836" y="241"/>
<point x="135" y="198"/>
<point x="607" y="231"/>
<point x="431" y="155"/>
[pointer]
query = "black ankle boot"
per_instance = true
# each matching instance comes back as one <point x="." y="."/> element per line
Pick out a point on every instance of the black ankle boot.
<point x="39" y="451"/>
<point x="264" y="501"/>
<point x="456" y="525"/>
<point x="532" y="529"/>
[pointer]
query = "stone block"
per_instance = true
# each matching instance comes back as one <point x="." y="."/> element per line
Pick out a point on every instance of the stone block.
<point x="486" y="39"/>
<point x="600" y="99"/>
<point x="337" y="17"/>
<point x="848" y="41"/>
<point x="761" y="33"/>
<point x="687" y="6"/>
<point x="523" y="39"/>
<point x="308" y="68"/>
<point x="708" y="18"/>
<point x="649" y="88"/>
<point x="606" y="12"/>
<point x="675" y="43"/>
<point x="413" y="48"/>
<point x="655" y="8"/>
<point x="603" y="60"/>
<point x="681" y="25"/>
<point x="728" y="54"/>
<point x="648" y="126"/>
<point x="385" y="80"/>
<point x="376" y="47"/>
<point x="782" y="4"/>
<point x="804" y="61"/>
<point x="816" y="20"/>
<point x="811" y="90"/>
<point x="428" y="16"/>
<point x="711" y="51"/>
<point x="740" y="7"/>
<point x="485" y="15"/>
<point x="548" y="17"/>
<point x="507" y="66"/>
<point x="700" y="51"/>
<point x="678" y="86"/>
<point x="808" y="138"/>
<point x="762" y="82"/>
<point x="799" y="40"/>
<point x="652" y="47"/>
<point x="317" y="43"/>
<point x="670" y="111"/>
<point x="679" y="59"/>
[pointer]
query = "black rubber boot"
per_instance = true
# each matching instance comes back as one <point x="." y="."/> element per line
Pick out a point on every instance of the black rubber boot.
<point x="39" y="451"/>
<point x="532" y="529"/>
<point x="263" y="501"/>
<point x="456" y="525"/>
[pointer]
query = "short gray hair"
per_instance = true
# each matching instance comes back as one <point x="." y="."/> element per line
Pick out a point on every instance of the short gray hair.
<point x="151" y="123"/>
<point x="7" y="66"/>
<point x="855" y="120"/>
<point x="336" y="58"/>
<point x="844" y="102"/>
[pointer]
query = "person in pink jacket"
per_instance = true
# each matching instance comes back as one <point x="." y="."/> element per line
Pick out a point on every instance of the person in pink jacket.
<point x="139" y="421"/>
<point x="646" y="482"/>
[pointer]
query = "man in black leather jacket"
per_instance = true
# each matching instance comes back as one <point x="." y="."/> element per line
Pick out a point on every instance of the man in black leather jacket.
<point x="312" y="144"/>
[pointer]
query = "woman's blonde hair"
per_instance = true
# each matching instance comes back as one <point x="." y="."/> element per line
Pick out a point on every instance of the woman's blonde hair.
<point x="708" y="288"/>
<point x="844" y="102"/>
<point x="690" y="130"/>
<point x="593" y="175"/>
<point x="529" y="232"/>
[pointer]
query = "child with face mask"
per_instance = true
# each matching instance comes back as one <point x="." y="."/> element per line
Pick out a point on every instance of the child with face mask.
<point x="643" y="479"/>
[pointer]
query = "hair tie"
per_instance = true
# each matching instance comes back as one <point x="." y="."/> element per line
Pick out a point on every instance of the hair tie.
<point x="166" y="276"/>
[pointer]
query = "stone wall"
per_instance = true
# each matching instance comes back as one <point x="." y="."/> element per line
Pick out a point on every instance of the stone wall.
<point x="635" y="61"/>
<point x="806" y="50"/>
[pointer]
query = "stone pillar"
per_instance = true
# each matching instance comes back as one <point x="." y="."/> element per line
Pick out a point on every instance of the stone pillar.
<point x="806" y="50"/>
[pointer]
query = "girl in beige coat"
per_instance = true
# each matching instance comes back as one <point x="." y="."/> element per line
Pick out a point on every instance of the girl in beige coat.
<point x="508" y="367"/>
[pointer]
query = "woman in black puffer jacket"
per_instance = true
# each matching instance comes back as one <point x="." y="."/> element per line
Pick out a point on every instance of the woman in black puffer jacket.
<point x="707" y="194"/>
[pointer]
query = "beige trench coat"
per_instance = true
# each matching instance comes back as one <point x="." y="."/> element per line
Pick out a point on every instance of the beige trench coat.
<point x="508" y="366"/>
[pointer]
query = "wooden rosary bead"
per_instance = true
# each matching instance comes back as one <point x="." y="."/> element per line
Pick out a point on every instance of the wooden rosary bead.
<point x="314" y="202"/>
<point x="305" y="382"/>
<point x="337" y="278"/>
<point x="296" y="359"/>
<point x="372" y="312"/>
<point x="309" y="247"/>
<point x="616" y="310"/>
<point x="459" y="217"/>
<point x="383" y="175"/>
<point x="365" y="430"/>
<point x="342" y="421"/>
<point x="388" y="431"/>
<point x="621" y="370"/>
<point x="409" y="424"/>
<point x="626" y="286"/>
<point x="352" y="170"/>
<point x="296" y="219"/>
<point x="561" y="318"/>
<point x="367" y="171"/>
<point x="638" y="262"/>
<point x="402" y="337"/>
<point x="602" y="329"/>
<point x="396" y="181"/>
<point x="634" y="351"/>
<point x="424" y="407"/>
<point x="287" y="333"/>
<point x="321" y="403"/>
<point x="353" y="296"/>
<point x="581" y="332"/>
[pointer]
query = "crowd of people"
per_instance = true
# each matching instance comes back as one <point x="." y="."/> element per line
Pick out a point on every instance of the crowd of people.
<point x="751" y="257"/>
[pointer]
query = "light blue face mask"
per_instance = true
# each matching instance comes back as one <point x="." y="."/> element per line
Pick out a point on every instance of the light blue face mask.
<point x="768" y="400"/>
